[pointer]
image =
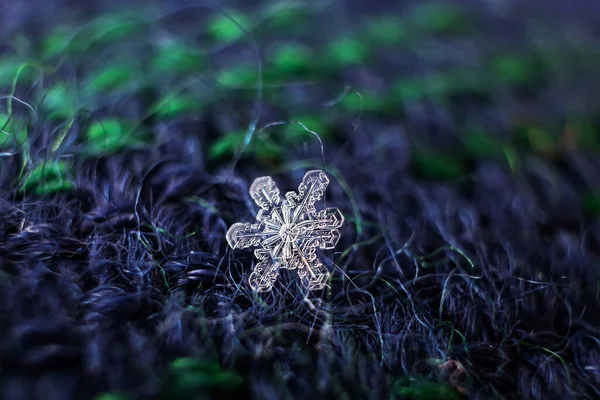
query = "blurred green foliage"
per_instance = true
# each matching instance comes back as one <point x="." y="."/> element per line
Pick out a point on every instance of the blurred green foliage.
<point x="107" y="29"/>
<point x="224" y="29"/>
<point x="177" y="58"/>
<point x="47" y="178"/>
<point x="517" y="70"/>
<point x="112" y="135"/>
<point x="293" y="133"/>
<point x="173" y="106"/>
<point x="289" y="58"/>
<point x="13" y="133"/>
<point x="590" y="204"/>
<point x="386" y="30"/>
<point x="345" y="51"/>
<point x="116" y="27"/>
<point x="230" y="144"/>
<point x="118" y="76"/>
<point x="195" y="376"/>
<point x="534" y="137"/>
<point x="61" y="39"/>
<point x="292" y="59"/>
<point x="367" y="101"/>
<point x="239" y="76"/>
<point x="435" y="165"/>
<point x="59" y="102"/>
<point x="8" y="70"/>
<point x="271" y="144"/>
<point x="480" y="143"/>
<point x="417" y="388"/>
<point x="288" y="16"/>
<point x="586" y="132"/>
<point x="441" y="17"/>
<point x="112" y="396"/>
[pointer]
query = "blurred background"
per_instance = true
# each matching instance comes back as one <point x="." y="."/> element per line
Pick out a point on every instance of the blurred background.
<point x="438" y="83"/>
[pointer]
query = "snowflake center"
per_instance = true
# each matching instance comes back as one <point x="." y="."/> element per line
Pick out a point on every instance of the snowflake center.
<point x="288" y="233"/>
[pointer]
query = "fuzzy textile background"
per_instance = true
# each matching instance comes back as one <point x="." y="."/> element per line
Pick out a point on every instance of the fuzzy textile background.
<point x="124" y="287"/>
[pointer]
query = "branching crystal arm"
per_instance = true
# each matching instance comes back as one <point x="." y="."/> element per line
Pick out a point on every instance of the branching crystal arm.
<point x="315" y="277"/>
<point x="311" y="190"/>
<point x="244" y="235"/>
<point x="265" y="272"/>
<point x="266" y="195"/>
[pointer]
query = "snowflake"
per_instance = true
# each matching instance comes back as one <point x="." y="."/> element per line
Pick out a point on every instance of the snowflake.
<point x="288" y="232"/>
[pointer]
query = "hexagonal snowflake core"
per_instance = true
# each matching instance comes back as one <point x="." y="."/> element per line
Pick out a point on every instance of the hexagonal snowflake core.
<point x="288" y="232"/>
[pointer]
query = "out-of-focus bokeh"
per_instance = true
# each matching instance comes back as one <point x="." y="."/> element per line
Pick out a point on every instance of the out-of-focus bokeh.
<point x="454" y="79"/>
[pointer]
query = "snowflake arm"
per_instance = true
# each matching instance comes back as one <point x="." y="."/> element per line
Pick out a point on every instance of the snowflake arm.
<point x="312" y="272"/>
<point x="311" y="190"/>
<point x="265" y="272"/>
<point x="266" y="195"/>
<point x="244" y="235"/>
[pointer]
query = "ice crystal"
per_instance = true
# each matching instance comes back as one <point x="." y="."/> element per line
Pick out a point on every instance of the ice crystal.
<point x="288" y="232"/>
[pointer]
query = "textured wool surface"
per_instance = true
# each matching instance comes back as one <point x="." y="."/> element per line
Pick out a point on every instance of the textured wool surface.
<point x="126" y="286"/>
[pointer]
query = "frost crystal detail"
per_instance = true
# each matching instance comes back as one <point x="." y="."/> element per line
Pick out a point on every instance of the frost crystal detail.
<point x="288" y="232"/>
